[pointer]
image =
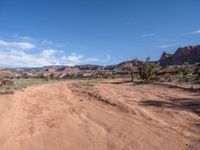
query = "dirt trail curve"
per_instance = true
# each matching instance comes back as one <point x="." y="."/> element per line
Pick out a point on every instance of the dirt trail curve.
<point x="57" y="116"/>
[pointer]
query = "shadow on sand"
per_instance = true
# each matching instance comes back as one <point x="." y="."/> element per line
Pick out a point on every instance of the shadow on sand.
<point x="169" y="86"/>
<point x="116" y="82"/>
<point x="135" y="83"/>
<point x="192" y="105"/>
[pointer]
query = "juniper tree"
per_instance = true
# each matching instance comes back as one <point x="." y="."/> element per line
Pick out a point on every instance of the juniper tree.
<point x="131" y="68"/>
<point x="148" y="70"/>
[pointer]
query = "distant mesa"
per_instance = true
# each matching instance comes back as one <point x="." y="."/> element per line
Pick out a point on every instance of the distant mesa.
<point x="189" y="54"/>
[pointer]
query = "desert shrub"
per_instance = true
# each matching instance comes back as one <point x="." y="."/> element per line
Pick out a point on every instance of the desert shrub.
<point x="23" y="82"/>
<point x="6" y="82"/>
<point x="148" y="70"/>
<point x="198" y="72"/>
<point x="132" y="68"/>
<point x="51" y="76"/>
<point x="113" y="77"/>
<point x="8" y="86"/>
<point x="45" y="77"/>
<point x="184" y="73"/>
<point x="6" y="91"/>
<point x="82" y="83"/>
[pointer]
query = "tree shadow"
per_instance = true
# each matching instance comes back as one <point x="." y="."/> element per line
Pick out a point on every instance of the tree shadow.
<point x="141" y="82"/>
<point x="197" y="95"/>
<point x="116" y="82"/>
<point x="192" y="105"/>
<point x="168" y="86"/>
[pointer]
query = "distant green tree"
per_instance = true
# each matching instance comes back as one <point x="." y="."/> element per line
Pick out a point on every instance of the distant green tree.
<point x="148" y="70"/>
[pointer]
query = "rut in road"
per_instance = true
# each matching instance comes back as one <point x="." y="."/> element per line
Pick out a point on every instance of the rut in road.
<point x="58" y="116"/>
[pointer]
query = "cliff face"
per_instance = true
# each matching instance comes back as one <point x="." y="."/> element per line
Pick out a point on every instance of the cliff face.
<point x="165" y="56"/>
<point x="190" y="54"/>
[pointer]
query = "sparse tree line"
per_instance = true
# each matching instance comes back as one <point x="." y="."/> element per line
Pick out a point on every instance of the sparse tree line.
<point x="152" y="71"/>
<point x="147" y="71"/>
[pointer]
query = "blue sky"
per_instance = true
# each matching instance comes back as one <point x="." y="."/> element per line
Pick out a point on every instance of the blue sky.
<point x="53" y="32"/>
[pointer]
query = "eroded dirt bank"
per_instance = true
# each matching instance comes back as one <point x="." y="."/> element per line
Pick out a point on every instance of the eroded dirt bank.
<point x="110" y="115"/>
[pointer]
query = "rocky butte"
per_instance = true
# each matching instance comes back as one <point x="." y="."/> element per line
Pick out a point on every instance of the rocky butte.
<point x="188" y="54"/>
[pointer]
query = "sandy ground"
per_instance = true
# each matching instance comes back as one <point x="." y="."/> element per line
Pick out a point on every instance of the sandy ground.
<point x="111" y="115"/>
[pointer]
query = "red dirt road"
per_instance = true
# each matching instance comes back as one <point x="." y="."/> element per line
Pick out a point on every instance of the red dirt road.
<point x="110" y="115"/>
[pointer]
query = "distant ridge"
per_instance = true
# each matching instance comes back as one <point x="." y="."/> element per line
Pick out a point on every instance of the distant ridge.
<point x="189" y="54"/>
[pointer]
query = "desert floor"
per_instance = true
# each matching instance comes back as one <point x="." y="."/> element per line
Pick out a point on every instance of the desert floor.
<point x="112" y="114"/>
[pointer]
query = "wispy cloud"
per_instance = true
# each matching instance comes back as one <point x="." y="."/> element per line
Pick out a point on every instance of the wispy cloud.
<point x="166" y="45"/>
<point x="47" y="42"/>
<point x="17" y="54"/>
<point x="192" y="33"/>
<point x="147" y="35"/>
<point x="73" y="58"/>
<point x="23" y="38"/>
<point x="17" y="45"/>
<point x="49" y="52"/>
<point x="16" y="58"/>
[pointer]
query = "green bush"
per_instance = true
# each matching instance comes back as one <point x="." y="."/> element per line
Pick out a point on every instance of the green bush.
<point x="198" y="73"/>
<point x="148" y="70"/>
<point x="184" y="73"/>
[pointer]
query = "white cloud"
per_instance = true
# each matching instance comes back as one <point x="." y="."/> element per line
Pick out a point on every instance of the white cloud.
<point x="23" y="45"/>
<point x="47" y="42"/>
<point x="23" y="38"/>
<point x="74" y="57"/>
<point x="20" y="59"/>
<point x="197" y="32"/>
<point x="48" y="52"/>
<point x="3" y="43"/>
<point x="147" y="35"/>
<point x="192" y="33"/>
<point x="17" y="45"/>
<point x="14" y="54"/>
<point x="108" y="57"/>
<point x="16" y="58"/>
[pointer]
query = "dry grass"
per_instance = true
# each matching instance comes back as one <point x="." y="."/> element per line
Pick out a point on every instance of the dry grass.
<point x="84" y="83"/>
<point x="19" y="84"/>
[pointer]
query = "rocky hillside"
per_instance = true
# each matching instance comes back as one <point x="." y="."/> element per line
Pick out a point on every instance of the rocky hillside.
<point x="190" y="54"/>
<point x="9" y="73"/>
<point x="63" y="70"/>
